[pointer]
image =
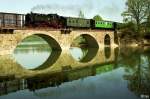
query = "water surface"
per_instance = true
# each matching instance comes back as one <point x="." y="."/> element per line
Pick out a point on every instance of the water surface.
<point x="125" y="76"/>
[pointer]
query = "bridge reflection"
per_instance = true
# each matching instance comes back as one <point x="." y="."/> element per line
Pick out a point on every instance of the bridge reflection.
<point x="14" y="77"/>
<point x="56" y="79"/>
<point x="54" y="64"/>
<point x="9" y="83"/>
<point x="135" y="75"/>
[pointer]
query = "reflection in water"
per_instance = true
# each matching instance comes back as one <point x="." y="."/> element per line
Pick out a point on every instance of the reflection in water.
<point x="31" y="57"/>
<point x="10" y="84"/>
<point x="139" y="78"/>
<point x="56" y="79"/>
<point x="37" y="52"/>
<point x="107" y="52"/>
<point x="137" y="71"/>
<point x="32" y="52"/>
<point x="128" y="77"/>
<point x="83" y="54"/>
<point x="78" y="53"/>
<point x="84" y="48"/>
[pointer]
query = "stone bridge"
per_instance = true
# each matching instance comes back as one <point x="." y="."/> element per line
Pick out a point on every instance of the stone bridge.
<point x="56" y="39"/>
<point x="60" y="57"/>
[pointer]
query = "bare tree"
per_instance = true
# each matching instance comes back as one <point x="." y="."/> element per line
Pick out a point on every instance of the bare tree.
<point x="81" y="14"/>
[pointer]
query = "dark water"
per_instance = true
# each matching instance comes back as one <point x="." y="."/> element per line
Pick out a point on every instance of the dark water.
<point x="126" y="75"/>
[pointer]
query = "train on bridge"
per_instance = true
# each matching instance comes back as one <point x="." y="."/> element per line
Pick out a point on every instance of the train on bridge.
<point x="11" y="21"/>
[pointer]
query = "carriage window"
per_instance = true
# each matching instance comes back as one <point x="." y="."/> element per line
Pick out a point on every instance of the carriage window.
<point x="76" y="21"/>
<point x="87" y="22"/>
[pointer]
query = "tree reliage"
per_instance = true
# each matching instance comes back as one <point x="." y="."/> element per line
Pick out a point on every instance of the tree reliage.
<point x="138" y="11"/>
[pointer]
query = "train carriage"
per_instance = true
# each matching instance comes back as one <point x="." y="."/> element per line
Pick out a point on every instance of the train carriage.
<point x="11" y="20"/>
<point x="78" y="22"/>
<point x="104" y="25"/>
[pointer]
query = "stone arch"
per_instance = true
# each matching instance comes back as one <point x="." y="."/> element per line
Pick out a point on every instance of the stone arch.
<point x="56" y="50"/>
<point x="51" y="41"/>
<point x="92" y="45"/>
<point x="90" y="39"/>
<point x="107" y="40"/>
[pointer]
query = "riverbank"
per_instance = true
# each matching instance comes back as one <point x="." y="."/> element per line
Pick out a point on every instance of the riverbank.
<point x="127" y="37"/>
<point x="134" y="42"/>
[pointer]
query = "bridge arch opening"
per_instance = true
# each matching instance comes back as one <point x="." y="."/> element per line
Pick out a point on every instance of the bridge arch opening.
<point x="38" y="51"/>
<point x="84" y="48"/>
<point x="107" y="40"/>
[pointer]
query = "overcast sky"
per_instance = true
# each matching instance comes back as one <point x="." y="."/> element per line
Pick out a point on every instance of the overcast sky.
<point x="108" y="9"/>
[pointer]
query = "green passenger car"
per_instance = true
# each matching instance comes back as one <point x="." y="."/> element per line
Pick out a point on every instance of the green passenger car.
<point x="104" y="24"/>
<point x="78" y="22"/>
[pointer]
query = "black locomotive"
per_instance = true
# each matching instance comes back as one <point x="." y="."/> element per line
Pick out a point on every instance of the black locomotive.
<point x="44" y="20"/>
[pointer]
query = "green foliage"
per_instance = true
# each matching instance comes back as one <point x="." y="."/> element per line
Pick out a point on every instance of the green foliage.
<point x="104" y="69"/>
<point x="147" y="26"/>
<point x="79" y="40"/>
<point x="97" y="18"/>
<point x="33" y="38"/>
<point x="137" y="11"/>
<point x="128" y="30"/>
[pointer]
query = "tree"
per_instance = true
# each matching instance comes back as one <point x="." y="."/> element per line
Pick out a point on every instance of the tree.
<point x="148" y="9"/>
<point x="148" y="18"/>
<point x="126" y="17"/>
<point x="97" y="18"/>
<point x="81" y="14"/>
<point x="127" y="30"/>
<point x="137" y="10"/>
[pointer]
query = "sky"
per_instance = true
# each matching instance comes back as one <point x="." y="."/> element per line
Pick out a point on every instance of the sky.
<point x="108" y="9"/>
